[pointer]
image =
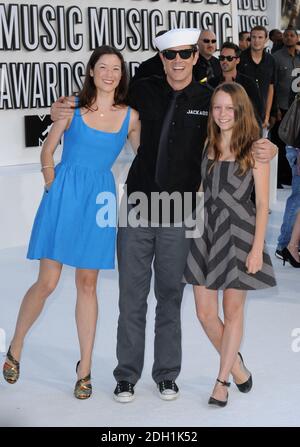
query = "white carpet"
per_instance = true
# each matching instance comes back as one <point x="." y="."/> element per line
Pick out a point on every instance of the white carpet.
<point x="43" y="395"/>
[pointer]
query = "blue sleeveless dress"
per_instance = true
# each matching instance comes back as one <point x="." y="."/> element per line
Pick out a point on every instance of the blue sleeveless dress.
<point x="76" y="220"/>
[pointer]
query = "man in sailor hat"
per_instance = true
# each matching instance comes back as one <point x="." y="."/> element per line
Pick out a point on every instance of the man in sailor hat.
<point x="173" y="112"/>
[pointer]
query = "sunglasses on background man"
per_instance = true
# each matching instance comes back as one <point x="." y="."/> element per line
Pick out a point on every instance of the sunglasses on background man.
<point x="227" y="58"/>
<point x="209" y="40"/>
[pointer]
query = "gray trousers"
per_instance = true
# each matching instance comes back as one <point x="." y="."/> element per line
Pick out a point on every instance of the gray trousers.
<point x="137" y="248"/>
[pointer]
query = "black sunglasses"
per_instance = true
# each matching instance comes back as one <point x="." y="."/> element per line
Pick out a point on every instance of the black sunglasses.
<point x="184" y="54"/>
<point x="209" y="40"/>
<point x="227" y="58"/>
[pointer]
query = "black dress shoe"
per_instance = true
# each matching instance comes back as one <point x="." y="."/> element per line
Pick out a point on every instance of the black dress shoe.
<point x="219" y="403"/>
<point x="278" y="254"/>
<point x="245" y="387"/>
<point x="287" y="256"/>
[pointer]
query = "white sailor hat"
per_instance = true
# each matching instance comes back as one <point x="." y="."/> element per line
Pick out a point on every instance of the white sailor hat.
<point x="176" y="37"/>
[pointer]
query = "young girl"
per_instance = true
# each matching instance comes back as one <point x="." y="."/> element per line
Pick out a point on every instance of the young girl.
<point x="230" y="254"/>
<point x="66" y="230"/>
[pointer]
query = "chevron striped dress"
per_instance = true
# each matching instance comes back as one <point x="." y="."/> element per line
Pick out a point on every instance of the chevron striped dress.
<point x="217" y="258"/>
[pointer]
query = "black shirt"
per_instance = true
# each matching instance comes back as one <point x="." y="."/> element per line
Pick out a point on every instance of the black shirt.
<point x="263" y="73"/>
<point x="188" y="132"/>
<point x="150" y="67"/>
<point x="207" y="68"/>
<point x="276" y="47"/>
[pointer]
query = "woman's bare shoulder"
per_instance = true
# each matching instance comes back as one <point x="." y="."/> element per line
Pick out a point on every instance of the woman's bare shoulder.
<point x="135" y="114"/>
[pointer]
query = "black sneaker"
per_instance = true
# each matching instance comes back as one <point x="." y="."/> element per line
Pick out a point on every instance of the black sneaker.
<point x="168" y="390"/>
<point x="124" y="392"/>
<point x="278" y="254"/>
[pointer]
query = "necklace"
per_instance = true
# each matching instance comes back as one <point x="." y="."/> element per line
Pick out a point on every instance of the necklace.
<point x="102" y="114"/>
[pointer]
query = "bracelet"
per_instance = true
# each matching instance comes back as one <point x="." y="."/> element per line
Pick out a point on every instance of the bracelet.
<point x="47" y="166"/>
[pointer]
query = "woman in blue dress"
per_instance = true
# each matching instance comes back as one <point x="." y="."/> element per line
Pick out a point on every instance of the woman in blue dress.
<point x="73" y="224"/>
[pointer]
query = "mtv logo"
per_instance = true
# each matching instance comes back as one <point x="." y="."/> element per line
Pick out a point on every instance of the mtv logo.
<point x="37" y="128"/>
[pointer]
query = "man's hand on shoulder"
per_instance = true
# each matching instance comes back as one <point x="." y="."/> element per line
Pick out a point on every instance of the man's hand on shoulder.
<point x="264" y="150"/>
<point x="62" y="108"/>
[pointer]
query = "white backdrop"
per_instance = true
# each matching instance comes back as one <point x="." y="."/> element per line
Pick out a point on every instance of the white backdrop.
<point x="131" y="24"/>
<point x="153" y="15"/>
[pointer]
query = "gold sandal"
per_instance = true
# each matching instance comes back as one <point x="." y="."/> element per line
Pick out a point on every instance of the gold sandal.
<point x="83" y="390"/>
<point x="11" y="371"/>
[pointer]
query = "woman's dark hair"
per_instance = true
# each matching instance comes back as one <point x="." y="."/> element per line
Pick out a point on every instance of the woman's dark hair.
<point x="88" y="92"/>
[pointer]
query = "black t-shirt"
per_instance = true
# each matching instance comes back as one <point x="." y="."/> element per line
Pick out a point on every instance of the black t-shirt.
<point x="263" y="73"/>
<point x="150" y="67"/>
<point x="207" y="68"/>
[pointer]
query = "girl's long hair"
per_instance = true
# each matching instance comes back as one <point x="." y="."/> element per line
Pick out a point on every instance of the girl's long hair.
<point x="245" y="131"/>
<point x="88" y="92"/>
